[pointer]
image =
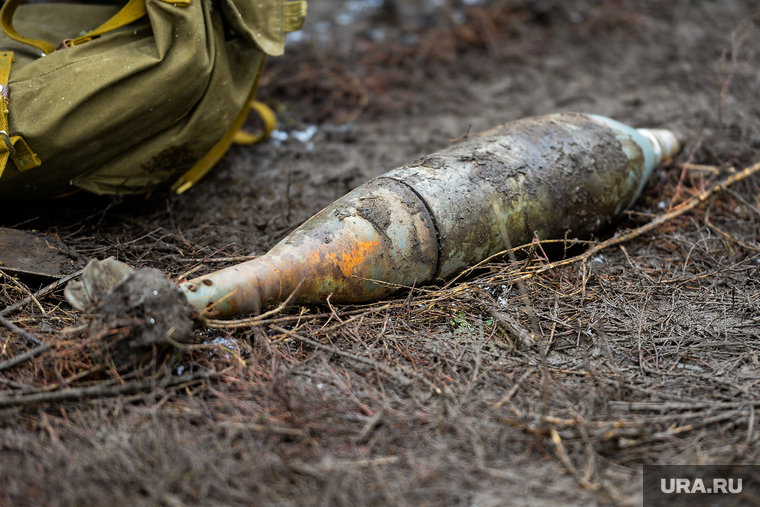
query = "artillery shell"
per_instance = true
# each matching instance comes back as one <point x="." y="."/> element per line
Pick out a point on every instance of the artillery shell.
<point x="538" y="177"/>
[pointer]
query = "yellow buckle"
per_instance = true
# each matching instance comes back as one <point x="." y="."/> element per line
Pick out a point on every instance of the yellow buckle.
<point x="8" y="142"/>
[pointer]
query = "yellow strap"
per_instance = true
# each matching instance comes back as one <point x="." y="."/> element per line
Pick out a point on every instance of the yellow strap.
<point x="6" y="59"/>
<point x="21" y="154"/>
<point x="24" y="158"/>
<point x="205" y="164"/>
<point x="134" y="10"/>
<point x="269" y="120"/>
<point x="131" y="12"/>
<point x="295" y="14"/>
<point x="233" y="135"/>
<point x="6" y="23"/>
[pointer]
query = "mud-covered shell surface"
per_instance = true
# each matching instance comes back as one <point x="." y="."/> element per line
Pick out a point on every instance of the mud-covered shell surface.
<point x="361" y="248"/>
<point x="540" y="177"/>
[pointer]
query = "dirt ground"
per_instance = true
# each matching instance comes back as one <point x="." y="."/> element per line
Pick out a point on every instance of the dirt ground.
<point x="428" y="398"/>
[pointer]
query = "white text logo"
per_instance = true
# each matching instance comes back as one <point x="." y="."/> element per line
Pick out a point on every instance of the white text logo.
<point x="698" y="486"/>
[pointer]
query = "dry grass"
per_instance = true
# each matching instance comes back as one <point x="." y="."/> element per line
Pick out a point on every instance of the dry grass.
<point x="640" y="349"/>
<point x="651" y="357"/>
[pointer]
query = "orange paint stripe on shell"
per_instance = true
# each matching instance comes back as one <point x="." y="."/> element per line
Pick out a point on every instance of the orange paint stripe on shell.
<point x="356" y="257"/>
<point x="346" y="261"/>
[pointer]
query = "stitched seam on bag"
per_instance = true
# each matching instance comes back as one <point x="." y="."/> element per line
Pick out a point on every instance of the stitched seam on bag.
<point x="58" y="69"/>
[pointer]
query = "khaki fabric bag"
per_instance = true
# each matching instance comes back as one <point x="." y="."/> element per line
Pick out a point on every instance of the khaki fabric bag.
<point x="153" y="93"/>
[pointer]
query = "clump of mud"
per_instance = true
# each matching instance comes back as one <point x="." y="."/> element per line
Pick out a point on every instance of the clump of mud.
<point x="135" y="315"/>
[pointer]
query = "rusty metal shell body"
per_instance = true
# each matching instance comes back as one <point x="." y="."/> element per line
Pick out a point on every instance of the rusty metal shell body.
<point x="539" y="177"/>
<point x="430" y="219"/>
<point x="360" y="248"/>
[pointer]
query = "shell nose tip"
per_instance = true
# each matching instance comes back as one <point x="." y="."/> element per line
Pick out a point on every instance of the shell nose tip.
<point x="666" y="143"/>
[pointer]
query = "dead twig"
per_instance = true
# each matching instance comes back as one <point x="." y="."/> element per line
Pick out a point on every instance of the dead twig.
<point x="703" y="168"/>
<point x="359" y="316"/>
<point x="507" y="397"/>
<point x="252" y="321"/>
<point x="687" y="205"/>
<point x="561" y="453"/>
<point x="370" y="427"/>
<point x="23" y="288"/>
<point x="513" y="327"/>
<point x="684" y="170"/>
<point x="678" y="430"/>
<point x="24" y="334"/>
<point x="386" y="369"/>
<point x="728" y="236"/>
<point x="264" y="428"/>
<point x="78" y="393"/>
<point x="319" y="470"/>
<point x="30" y="354"/>
<point x="40" y="293"/>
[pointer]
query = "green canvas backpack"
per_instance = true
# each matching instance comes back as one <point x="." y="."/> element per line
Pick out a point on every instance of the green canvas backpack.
<point x="123" y="100"/>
